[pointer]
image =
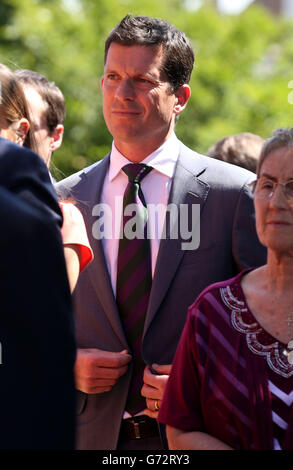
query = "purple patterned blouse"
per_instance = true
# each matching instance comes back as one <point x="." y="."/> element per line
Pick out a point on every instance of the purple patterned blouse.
<point x="230" y="378"/>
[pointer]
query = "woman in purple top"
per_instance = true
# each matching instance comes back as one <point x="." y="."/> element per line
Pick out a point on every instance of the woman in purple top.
<point x="231" y="385"/>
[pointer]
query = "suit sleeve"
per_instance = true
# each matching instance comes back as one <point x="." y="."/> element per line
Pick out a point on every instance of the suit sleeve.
<point x="25" y="174"/>
<point x="248" y="252"/>
<point x="36" y="326"/>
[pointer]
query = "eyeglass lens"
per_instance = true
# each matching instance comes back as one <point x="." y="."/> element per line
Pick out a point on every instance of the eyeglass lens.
<point x="265" y="188"/>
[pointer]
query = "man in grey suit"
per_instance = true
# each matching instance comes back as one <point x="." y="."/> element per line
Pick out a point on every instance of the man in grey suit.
<point x="131" y="302"/>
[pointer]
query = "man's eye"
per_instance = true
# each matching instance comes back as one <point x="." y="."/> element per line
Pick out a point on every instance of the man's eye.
<point x="143" y="80"/>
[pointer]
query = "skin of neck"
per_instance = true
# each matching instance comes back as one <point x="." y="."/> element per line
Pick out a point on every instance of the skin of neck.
<point x="136" y="152"/>
<point x="278" y="272"/>
<point x="48" y="160"/>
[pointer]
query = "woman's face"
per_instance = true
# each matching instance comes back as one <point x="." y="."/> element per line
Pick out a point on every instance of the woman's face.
<point x="274" y="210"/>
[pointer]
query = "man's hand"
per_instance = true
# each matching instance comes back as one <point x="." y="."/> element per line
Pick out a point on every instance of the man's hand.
<point x="97" y="371"/>
<point x="154" y="387"/>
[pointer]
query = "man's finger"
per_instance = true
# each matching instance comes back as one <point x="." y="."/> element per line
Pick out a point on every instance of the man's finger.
<point x="109" y="372"/>
<point x="93" y="390"/>
<point x="110" y="359"/>
<point x="163" y="369"/>
<point x="149" y="392"/>
<point x="89" y="360"/>
<point x="154" y="380"/>
<point x="148" y="377"/>
<point x="90" y="382"/>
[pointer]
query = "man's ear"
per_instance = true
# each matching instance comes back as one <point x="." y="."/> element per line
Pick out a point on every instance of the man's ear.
<point x="182" y="96"/>
<point x="21" y="129"/>
<point x="57" y="137"/>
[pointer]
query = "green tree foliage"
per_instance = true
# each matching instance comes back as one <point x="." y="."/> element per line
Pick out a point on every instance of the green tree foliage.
<point x="240" y="81"/>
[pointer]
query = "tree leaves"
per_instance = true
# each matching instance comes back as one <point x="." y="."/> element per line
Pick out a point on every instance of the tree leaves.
<point x="240" y="82"/>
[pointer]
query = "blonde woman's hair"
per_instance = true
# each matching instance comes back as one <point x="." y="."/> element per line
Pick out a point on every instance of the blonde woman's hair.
<point x="13" y="105"/>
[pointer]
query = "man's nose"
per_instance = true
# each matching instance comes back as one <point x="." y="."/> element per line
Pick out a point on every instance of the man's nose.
<point x="125" y="90"/>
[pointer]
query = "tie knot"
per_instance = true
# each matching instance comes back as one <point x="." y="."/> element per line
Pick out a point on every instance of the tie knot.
<point x="136" y="171"/>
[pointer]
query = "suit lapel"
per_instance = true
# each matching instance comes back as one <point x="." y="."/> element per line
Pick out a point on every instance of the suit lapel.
<point x="98" y="270"/>
<point x="186" y="189"/>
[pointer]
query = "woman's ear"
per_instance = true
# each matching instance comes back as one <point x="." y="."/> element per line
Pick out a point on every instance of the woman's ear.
<point x="21" y="130"/>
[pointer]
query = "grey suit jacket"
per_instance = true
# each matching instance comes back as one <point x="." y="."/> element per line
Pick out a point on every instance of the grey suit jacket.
<point x="228" y="243"/>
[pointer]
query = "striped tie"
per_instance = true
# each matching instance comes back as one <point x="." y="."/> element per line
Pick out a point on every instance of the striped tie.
<point x="134" y="277"/>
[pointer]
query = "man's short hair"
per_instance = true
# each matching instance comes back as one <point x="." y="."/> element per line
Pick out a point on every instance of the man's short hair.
<point x="241" y="149"/>
<point x="146" y="31"/>
<point x="50" y="94"/>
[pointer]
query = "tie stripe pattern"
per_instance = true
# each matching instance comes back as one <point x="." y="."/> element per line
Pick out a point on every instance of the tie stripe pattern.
<point x="134" y="278"/>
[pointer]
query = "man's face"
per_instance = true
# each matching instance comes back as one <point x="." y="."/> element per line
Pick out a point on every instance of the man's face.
<point x="137" y="104"/>
<point x="37" y="109"/>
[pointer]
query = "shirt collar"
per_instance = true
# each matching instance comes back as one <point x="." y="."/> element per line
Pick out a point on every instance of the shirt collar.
<point x="162" y="159"/>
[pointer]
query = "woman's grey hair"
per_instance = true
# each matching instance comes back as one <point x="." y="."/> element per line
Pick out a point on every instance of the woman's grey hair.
<point x="279" y="138"/>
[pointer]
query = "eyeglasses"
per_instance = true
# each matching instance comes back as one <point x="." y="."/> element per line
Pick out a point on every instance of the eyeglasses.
<point x="264" y="188"/>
